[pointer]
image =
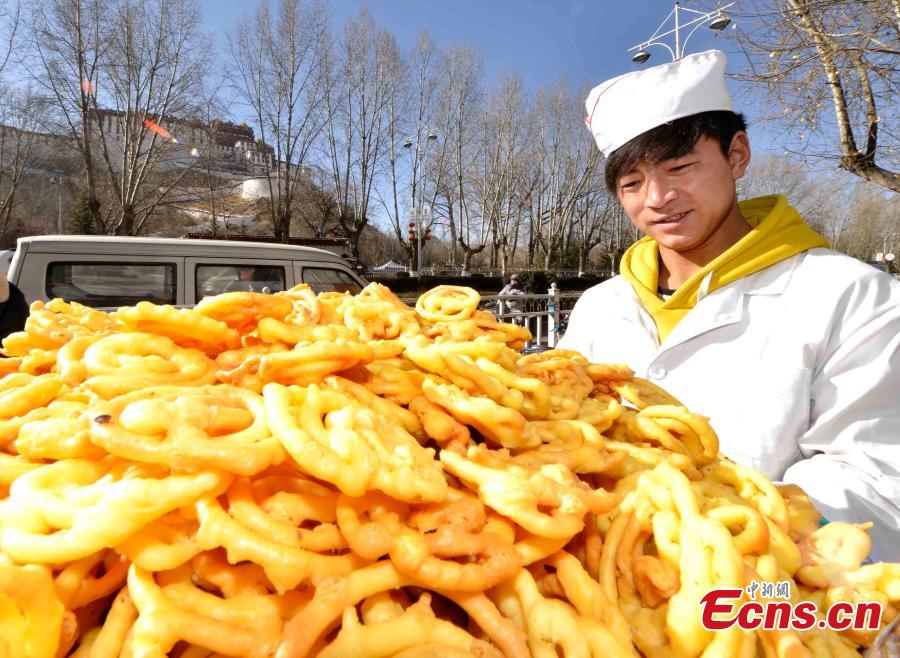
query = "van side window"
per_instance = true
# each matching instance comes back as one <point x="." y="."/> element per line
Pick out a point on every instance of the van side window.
<point x="106" y="283"/>
<point x="327" y="279"/>
<point x="216" y="279"/>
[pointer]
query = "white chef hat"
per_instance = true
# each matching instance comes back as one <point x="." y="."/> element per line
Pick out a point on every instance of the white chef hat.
<point x="622" y="108"/>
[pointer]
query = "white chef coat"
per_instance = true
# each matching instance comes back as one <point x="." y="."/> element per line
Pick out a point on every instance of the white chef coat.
<point x="797" y="366"/>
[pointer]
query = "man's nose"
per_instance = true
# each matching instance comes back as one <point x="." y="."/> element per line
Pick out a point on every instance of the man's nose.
<point x="660" y="191"/>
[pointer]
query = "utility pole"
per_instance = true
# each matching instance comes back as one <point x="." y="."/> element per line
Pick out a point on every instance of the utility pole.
<point x="678" y="53"/>
<point x="418" y="211"/>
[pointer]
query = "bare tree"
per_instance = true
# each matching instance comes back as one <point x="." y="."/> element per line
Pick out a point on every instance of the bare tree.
<point x="829" y="68"/>
<point x="10" y="24"/>
<point x="457" y="115"/>
<point x="19" y="109"/>
<point x="856" y="217"/>
<point x="870" y="225"/>
<point x="19" y="112"/>
<point x="424" y="89"/>
<point x="567" y="161"/>
<point x="69" y="40"/>
<point x="317" y="204"/>
<point x="503" y="135"/>
<point x="397" y="111"/>
<point x="458" y="168"/>
<point x="151" y="70"/>
<point x="820" y="196"/>
<point x="276" y="64"/>
<point x="593" y="215"/>
<point x="362" y="74"/>
<point x="621" y="235"/>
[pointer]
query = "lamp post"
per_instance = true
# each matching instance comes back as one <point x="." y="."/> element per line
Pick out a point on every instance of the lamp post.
<point x="715" y="20"/>
<point x="57" y="180"/>
<point x="418" y="211"/>
<point x="887" y="246"/>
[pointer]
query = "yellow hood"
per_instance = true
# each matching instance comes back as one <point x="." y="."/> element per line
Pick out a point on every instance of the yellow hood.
<point x="777" y="232"/>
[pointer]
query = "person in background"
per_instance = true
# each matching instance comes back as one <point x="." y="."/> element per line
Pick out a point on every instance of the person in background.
<point x="514" y="287"/>
<point x="738" y="308"/>
<point x="13" y="308"/>
<point x="244" y="282"/>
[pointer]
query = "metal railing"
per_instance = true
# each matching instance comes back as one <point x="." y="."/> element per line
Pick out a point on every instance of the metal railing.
<point x="544" y="314"/>
<point x="436" y="270"/>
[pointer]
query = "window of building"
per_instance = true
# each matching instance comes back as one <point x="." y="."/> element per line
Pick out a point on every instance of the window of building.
<point x="216" y="279"/>
<point x="101" y="284"/>
<point x="327" y="279"/>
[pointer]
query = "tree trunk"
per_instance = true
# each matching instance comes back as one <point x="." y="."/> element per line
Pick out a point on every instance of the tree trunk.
<point x="126" y="225"/>
<point x="212" y="205"/>
<point x="354" y="242"/>
<point x="281" y="226"/>
<point x="452" y="234"/>
<point x="468" y="252"/>
<point x="93" y="202"/>
<point x="467" y="260"/>
<point x="6" y="211"/>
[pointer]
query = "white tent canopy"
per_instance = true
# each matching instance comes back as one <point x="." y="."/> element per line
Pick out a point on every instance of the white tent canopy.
<point x="391" y="266"/>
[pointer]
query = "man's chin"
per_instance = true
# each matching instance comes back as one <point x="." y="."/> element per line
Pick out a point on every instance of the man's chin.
<point x="676" y="243"/>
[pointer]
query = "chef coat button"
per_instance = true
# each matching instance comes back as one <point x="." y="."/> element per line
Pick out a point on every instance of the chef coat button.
<point x="657" y="372"/>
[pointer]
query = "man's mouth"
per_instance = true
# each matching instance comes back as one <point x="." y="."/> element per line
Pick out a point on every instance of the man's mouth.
<point x="672" y="219"/>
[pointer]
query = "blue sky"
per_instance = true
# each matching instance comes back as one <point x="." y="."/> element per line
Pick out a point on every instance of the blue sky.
<point x="585" y="40"/>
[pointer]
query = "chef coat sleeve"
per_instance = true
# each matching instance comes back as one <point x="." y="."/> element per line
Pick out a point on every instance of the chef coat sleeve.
<point x="851" y="451"/>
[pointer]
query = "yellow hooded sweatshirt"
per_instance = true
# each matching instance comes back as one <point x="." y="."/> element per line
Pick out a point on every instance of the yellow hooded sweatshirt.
<point x="777" y="232"/>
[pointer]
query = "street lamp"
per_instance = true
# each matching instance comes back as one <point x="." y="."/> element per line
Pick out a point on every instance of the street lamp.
<point x="58" y="181"/>
<point x="641" y="56"/>
<point x="715" y="20"/>
<point x="887" y="246"/>
<point x="418" y="212"/>
<point x="720" y="23"/>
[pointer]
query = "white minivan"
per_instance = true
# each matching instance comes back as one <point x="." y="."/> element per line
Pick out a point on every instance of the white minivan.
<point x="107" y="272"/>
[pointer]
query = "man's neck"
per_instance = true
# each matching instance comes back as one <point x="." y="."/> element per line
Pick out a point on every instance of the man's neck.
<point x="676" y="267"/>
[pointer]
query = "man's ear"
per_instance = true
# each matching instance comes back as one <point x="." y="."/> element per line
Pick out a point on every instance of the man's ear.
<point x="739" y="154"/>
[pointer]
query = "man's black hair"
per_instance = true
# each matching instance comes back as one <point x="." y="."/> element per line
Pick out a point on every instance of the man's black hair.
<point x="672" y="140"/>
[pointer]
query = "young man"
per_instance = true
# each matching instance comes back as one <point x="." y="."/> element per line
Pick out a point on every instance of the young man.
<point x="739" y="309"/>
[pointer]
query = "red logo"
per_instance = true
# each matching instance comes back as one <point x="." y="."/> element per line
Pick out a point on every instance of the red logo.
<point x="723" y="608"/>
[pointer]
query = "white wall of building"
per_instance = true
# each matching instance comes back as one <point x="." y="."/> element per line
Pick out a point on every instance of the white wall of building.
<point x="257" y="188"/>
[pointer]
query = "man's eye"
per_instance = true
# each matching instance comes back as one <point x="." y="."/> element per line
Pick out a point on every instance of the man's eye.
<point x="629" y="185"/>
<point x="682" y="166"/>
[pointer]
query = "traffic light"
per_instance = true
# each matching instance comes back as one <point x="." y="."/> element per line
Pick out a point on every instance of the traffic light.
<point x="428" y="233"/>
<point x="412" y="235"/>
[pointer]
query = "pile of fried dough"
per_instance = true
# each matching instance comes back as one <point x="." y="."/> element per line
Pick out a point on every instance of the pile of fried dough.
<point x="334" y="475"/>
